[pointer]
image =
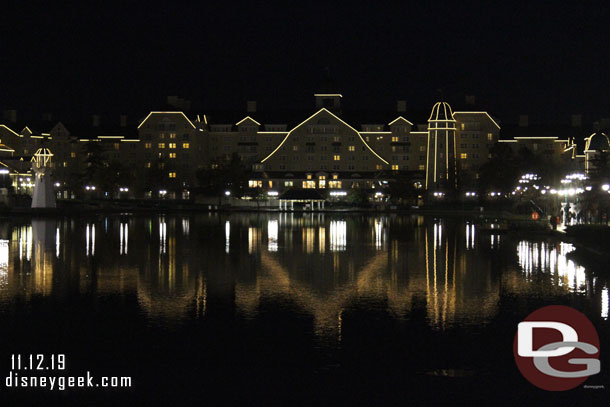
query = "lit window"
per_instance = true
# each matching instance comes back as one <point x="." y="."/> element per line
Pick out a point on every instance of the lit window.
<point x="394" y="139"/>
<point x="335" y="176"/>
<point x="65" y="164"/>
<point x="309" y="184"/>
<point x="172" y="155"/>
<point x="378" y="166"/>
<point x="490" y="136"/>
<point x="295" y="148"/>
<point x="395" y="167"/>
<point x="172" y="175"/>
<point x="147" y="165"/>
<point x="462" y="126"/>
<point x="334" y="184"/>
<point x="172" y="135"/>
<point x="464" y="156"/>
<point x="255" y="183"/>
<point x="161" y="145"/>
<point x="421" y="167"/>
<point x="148" y="145"/>
<point x="337" y="157"/>
<point x="73" y="154"/>
<point x="352" y="148"/>
<point x="288" y="183"/>
<point x="422" y="148"/>
<point x="308" y="176"/>
<point x="116" y="146"/>
<point x="186" y="145"/>
<point x="172" y="145"/>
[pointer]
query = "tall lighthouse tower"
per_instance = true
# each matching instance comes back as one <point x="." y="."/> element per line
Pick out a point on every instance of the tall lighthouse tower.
<point x="44" y="195"/>
<point x="440" y="161"/>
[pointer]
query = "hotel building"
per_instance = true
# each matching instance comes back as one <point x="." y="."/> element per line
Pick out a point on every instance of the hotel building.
<point x="323" y="150"/>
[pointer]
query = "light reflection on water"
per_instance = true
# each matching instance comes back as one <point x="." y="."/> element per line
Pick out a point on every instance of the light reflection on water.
<point x="323" y="265"/>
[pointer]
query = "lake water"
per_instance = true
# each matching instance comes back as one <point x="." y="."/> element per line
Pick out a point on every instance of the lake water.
<point x="293" y="309"/>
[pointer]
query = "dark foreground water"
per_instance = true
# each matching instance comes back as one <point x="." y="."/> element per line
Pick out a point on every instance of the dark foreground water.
<point x="284" y="309"/>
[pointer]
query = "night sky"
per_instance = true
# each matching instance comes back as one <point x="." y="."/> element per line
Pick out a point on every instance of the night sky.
<point x="548" y="60"/>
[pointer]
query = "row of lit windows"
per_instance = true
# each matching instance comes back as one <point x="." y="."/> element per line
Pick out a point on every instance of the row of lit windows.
<point x="170" y="145"/>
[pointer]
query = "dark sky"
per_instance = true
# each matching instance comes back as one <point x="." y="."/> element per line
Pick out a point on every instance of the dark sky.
<point x="546" y="59"/>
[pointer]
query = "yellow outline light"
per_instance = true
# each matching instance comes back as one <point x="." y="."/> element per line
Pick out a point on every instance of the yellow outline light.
<point x="328" y="95"/>
<point x="8" y="149"/>
<point x="399" y="118"/>
<point x="11" y="130"/>
<point x="246" y="118"/>
<point x="181" y="113"/>
<point x="311" y="117"/>
<point x="537" y="138"/>
<point x="485" y="113"/>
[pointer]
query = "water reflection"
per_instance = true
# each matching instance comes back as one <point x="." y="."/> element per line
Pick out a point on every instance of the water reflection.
<point x="543" y="258"/>
<point x="320" y="265"/>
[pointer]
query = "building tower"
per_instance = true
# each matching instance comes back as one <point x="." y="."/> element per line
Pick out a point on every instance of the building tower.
<point x="44" y="195"/>
<point x="440" y="161"/>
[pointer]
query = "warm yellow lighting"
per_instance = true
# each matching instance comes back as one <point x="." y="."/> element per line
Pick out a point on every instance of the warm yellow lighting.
<point x="172" y="175"/>
<point x="161" y="145"/>
<point x="311" y="117"/>
<point x="328" y="95"/>
<point x="172" y="145"/>
<point x="394" y="167"/>
<point x="148" y="145"/>
<point x="186" y="145"/>
<point x="337" y="157"/>
<point x="400" y="118"/>
<point x="172" y="155"/>
<point x="247" y="118"/>
<point x="180" y="113"/>
<point x="485" y="113"/>
<point x="463" y="156"/>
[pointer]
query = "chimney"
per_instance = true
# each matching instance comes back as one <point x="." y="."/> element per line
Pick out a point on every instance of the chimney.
<point x="524" y="120"/>
<point x="96" y="120"/>
<point x="576" y="120"/>
<point x="251" y="106"/>
<point x="123" y="120"/>
<point x="47" y="117"/>
<point x="470" y="100"/>
<point x="401" y="106"/>
<point x="10" y="115"/>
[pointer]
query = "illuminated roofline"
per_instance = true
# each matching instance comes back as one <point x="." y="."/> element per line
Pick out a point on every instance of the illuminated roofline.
<point x="399" y="118"/>
<point x="8" y="149"/>
<point x="419" y="132"/>
<point x="311" y="117"/>
<point x="11" y="130"/>
<point x="536" y="138"/>
<point x="110" y="137"/>
<point x="485" y="113"/>
<point x="328" y="94"/>
<point x="588" y="141"/>
<point x="507" y="141"/>
<point x="129" y="140"/>
<point x="180" y="113"/>
<point x="272" y="132"/>
<point x="246" y="118"/>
